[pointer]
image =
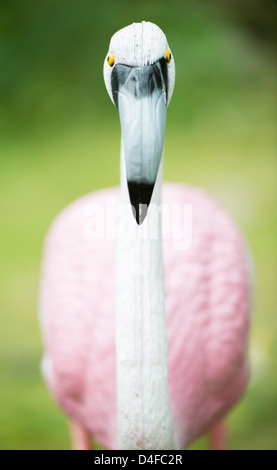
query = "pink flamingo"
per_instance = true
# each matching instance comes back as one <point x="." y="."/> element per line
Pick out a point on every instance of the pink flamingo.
<point x="145" y="333"/>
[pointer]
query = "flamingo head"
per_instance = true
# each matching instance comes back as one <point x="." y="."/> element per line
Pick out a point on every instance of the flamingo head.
<point x="139" y="74"/>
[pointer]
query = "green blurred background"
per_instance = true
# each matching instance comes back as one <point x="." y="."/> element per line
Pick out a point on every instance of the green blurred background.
<point x="60" y="138"/>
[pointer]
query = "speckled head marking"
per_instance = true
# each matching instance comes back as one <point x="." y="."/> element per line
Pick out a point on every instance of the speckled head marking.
<point x="137" y="45"/>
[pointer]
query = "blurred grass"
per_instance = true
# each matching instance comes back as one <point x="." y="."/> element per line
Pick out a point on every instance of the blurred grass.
<point x="60" y="139"/>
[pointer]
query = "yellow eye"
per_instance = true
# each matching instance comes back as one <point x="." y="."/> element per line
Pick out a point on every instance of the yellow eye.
<point x="111" y="59"/>
<point x="168" y="56"/>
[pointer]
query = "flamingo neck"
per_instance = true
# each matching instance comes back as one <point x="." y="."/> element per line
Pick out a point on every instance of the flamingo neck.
<point x="144" y="413"/>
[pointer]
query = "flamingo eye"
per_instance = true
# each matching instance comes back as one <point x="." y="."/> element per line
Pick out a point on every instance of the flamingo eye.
<point x="111" y="60"/>
<point x="168" y="56"/>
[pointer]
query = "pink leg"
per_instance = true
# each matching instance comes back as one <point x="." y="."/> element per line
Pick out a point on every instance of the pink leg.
<point x="217" y="437"/>
<point x="80" y="437"/>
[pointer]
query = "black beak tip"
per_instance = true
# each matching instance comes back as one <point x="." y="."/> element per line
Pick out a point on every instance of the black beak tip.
<point x="139" y="212"/>
<point x="140" y="198"/>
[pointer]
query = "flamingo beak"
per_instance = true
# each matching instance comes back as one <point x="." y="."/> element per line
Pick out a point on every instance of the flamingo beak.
<point x="140" y="96"/>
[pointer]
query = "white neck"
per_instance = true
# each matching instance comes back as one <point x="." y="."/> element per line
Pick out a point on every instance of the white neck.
<point x="144" y="414"/>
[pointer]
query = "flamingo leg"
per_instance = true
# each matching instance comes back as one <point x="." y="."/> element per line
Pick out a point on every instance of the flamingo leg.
<point x="80" y="437"/>
<point x="218" y="437"/>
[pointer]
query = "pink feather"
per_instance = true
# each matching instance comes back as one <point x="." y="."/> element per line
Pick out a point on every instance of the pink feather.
<point x="207" y="290"/>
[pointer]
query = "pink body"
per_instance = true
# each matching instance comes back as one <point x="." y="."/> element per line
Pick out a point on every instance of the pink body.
<point x="207" y="290"/>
